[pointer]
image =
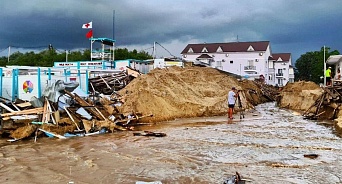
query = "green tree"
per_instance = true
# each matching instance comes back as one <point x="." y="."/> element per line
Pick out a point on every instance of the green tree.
<point x="310" y="66"/>
<point x="47" y="57"/>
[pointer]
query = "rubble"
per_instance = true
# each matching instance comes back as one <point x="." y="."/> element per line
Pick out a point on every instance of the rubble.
<point x="76" y="116"/>
<point x="118" y="103"/>
<point x="108" y="83"/>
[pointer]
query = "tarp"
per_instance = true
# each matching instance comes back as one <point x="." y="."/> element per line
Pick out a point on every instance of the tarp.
<point x="56" y="89"/>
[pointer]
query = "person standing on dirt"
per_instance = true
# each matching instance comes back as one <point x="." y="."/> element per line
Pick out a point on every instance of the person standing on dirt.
<point x="232" y="94"/>
<point x="328" y="75"/>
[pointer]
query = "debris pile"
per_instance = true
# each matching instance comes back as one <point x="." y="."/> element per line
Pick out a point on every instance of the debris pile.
<point x="326" y="105"/>
<point x="268" y="91"/>
<point x="70" y="115"/>
<point x="108" y="83"/>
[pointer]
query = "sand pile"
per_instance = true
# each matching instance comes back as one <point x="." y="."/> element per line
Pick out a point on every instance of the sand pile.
<point x="299" y="86"/>
<point x="299" y="95"/>
<point x="181" y="92"/>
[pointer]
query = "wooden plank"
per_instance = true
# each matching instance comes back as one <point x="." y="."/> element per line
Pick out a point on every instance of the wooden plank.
<point x="44" y="112"/>
<point x="72" y="119"/>
<point x="23" y="112"/>
<point x="57" y="116"/>
<point x="50" y="112"/>
<point x="23" y="105"/>
<point x="84" y="103"/>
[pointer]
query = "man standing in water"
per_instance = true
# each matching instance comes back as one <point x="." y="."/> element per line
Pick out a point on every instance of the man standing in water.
<point x="232" y="94"/>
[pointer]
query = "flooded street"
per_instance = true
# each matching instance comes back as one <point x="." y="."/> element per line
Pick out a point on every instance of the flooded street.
<point x="265" y="147"/>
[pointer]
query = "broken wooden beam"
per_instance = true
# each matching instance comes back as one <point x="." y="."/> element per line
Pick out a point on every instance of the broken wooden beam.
<point x="92" y="109"/>
<point x="24" y="112"/>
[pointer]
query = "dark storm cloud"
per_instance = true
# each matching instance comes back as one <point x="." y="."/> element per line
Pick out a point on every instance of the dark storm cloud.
<point x="290" y="26"/>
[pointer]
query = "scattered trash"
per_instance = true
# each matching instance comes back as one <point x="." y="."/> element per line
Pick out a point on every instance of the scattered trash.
<point x="148" y="133"/>
<point x="152" y="182"/>
<point x="312" y="156"/>
<point x="235" y="179"/>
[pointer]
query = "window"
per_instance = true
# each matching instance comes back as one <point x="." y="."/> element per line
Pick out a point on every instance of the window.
<point x="204" y="50"/>
<point x="270" y="77"/>
<point x="270" y="64"/>
<point x="280" y="82"/>
<point x="231" y="61"/>
<point x="250" y="48"/>
<point x="219" y="49"/>
<point x="218" y="64"/>
<point x="250" y="62"/>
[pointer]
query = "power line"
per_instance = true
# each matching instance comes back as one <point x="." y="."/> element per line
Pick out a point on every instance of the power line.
<point x="166" y="49"/>
<point x="148" y="48"/>
<point x="3" y="49"/>
<point x="36" y="47"/>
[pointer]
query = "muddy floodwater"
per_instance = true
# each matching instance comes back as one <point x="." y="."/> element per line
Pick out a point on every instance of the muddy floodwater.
<point x="267" y="146"/>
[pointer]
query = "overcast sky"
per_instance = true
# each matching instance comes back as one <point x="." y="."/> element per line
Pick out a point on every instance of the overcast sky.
<point x="294" y="26"/>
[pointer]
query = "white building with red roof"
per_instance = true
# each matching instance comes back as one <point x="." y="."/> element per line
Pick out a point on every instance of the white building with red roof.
<point x="252" y="60"/>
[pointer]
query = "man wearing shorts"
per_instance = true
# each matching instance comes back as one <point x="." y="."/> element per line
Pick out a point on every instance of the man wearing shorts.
<point x="232" y="94"/>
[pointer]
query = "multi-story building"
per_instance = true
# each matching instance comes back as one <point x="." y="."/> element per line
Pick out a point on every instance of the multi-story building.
<point x="280" y="70"/>
<point x="252" y="60"/>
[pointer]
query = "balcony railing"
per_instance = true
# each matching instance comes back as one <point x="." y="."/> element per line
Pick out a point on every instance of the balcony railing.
<point x="249" y="68"/>
<point x="279" y="74"/>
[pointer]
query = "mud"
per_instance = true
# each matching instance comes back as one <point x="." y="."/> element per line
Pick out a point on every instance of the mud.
<point x="267" y="146"/>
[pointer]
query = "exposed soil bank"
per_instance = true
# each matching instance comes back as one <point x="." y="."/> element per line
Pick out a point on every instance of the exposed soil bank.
<point x="185" y="92"/>
<point x="302" y="95"/>
<point x="299" y="95"/>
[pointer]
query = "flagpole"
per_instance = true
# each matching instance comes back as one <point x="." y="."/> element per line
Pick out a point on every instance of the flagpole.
<point x="91" y="42"/>
<point x="91" y="48"/>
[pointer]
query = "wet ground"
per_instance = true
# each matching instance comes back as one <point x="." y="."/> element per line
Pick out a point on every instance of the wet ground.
<point x="267" y="146"/>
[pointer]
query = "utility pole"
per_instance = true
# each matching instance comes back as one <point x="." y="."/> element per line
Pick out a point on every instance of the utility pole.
<point x="325" y="67"/>
<point x="113" y="39"/>
<point x="9" y="53"/>
<point x="113" y="24"/>
<point x="66" y="55"/>
<point x="154" y="50"/>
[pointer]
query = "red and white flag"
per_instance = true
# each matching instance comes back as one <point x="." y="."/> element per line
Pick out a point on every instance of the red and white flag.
<point x="88" y="25"/>
<point x="89" y="34"/>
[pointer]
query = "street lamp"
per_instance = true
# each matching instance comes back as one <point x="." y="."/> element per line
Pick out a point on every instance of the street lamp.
<point x="325" y="67"/>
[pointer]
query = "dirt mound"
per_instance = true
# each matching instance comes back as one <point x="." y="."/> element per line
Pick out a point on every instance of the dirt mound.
<point x="299" y="86"/>
<point x="299" y="95"/>
<point x="181" y="92"/>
